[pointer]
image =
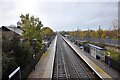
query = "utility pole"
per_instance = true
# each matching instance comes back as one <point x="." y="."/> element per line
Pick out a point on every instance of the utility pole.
<point x="99" y="35"/>
<point x="109" y="38"/>
<point x="88" y="36"/>
<point x="77" y="32"/>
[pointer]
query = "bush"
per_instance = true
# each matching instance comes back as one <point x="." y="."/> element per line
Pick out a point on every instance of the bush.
<point x="8" y="65"/>
<point x="6" y="45"/>
<point x="15" y="54"/>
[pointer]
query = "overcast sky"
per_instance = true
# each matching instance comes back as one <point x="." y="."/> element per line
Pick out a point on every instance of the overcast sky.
<point x="62" y="15"/>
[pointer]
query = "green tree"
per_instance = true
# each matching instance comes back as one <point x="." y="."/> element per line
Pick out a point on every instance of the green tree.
<point x="46" y="31"/>
<point x="32" y="30"/>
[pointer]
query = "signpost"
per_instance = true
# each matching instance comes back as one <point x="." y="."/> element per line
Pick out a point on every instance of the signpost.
<point x="14" y="72"/>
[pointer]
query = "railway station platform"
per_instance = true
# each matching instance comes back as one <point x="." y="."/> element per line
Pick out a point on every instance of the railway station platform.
<point x="44" y="67"/>
<point x="100" y="68"/>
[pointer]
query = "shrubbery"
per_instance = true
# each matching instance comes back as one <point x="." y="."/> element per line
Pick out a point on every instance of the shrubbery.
<point x="15" y="54"/>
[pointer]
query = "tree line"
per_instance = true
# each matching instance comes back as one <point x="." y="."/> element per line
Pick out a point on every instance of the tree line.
<point x="100" y="33"/>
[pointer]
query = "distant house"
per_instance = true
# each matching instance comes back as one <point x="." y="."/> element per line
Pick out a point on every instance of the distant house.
<point x="10" y="31"/>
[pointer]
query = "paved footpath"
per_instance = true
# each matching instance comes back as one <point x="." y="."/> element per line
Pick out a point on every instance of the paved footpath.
<point x="44" y="67"/>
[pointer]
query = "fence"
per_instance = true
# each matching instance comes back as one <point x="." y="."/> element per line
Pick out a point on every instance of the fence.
<point x="106" y="41"/>
<point x="29" y="68"/>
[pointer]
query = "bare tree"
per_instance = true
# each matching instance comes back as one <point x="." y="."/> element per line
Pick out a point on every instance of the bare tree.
<point x="115" y="24"/>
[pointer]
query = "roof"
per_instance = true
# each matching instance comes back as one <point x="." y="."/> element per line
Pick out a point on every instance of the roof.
<point x="14" y="29"/>
<point x="97" y="47"/>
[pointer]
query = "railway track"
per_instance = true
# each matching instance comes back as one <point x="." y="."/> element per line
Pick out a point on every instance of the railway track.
<point x="60" y="71"/>
<point x="68" y="65"/>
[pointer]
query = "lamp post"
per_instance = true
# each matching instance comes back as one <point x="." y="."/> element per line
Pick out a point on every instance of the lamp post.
<point x="33" y="44"/>
<point x="109" y="59"/>
<point x="34" y="56"/>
